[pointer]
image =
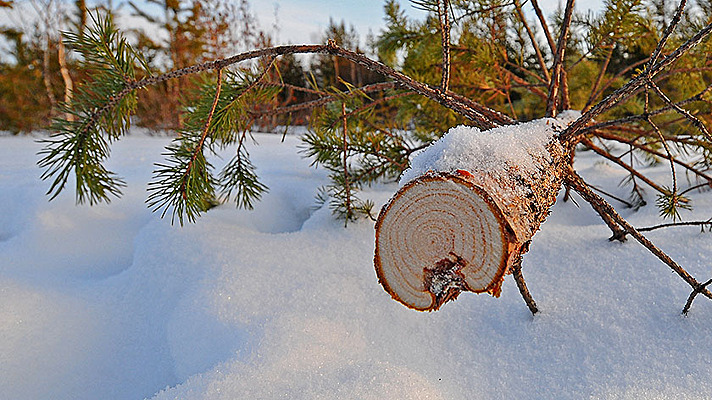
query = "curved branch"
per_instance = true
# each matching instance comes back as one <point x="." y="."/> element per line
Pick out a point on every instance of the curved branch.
<point x="483" y="117"/>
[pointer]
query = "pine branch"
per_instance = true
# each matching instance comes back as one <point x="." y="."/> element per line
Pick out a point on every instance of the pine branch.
<point x="185" y="184"/>
<point x="347" y="186"/>
<point x="80" y="142"/>
<point x="239" y="175"/>
<point x="483" y="116"/>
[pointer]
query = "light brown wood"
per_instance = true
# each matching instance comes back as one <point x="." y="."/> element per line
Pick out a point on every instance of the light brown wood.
<point x="448" y="232"/>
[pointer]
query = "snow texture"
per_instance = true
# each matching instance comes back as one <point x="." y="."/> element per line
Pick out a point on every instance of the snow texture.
<point x="494" y="151"/>
<point x="111" y="302"/>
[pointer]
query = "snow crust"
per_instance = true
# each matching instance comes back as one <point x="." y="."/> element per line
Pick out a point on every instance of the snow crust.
<point x="495" y="150"/>
<point x="111" y="302"/>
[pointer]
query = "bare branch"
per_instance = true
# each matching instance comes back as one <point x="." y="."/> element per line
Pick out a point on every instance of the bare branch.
<point x="569" y="135"/>
<point x="554" y="85"/>
<point x="634" y="143"/>
<point x="532" y="39"/>
<point x="694" y="120"/>
<point x="666" y="34"/>
<point x="694" y="294"/>
<point x="707" y="223"/>
<point x="580" y="186"/>
<point x="444" y="18"/>
<point x="544" y="26"/>
<point x="521" y="284"/>
<point x="625" y="166"/>
<point x="698" y="97"/>
<point x="599" y="78"/>
<point x="657" y="131"/>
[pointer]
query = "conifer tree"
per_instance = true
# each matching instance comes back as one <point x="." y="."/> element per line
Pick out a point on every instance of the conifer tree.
<point x="640" y="82"/>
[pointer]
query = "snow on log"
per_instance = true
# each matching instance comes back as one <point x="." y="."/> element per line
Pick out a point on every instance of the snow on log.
<point x="467" y="210"/>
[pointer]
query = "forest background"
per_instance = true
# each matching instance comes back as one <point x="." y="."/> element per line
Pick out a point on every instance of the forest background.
<point x="37" y="72"/>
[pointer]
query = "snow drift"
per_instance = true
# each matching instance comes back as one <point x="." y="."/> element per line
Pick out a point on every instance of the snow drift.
<point x="283" y="302"/>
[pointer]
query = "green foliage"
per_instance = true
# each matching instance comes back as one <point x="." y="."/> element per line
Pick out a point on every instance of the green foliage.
<point x="347" y="139"/>
<point x="185" y="184"/>
<point x="80" y="142"/>
<point x="362" y="136"/>
<point x="670" y="204"/>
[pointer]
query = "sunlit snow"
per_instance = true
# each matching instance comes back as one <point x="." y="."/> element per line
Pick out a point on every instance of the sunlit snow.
<point x="112" y="302"/>
<point x="496" y="150"/>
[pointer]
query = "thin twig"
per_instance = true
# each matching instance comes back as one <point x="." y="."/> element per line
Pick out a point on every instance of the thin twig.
<point x="694" y="294"/>
<point x="657" y="131"/>
<point x="599" y="78"/>
<point x="673" y="224"/>
<point x="666" y="34"/>
<point x="444" y="18"/>
<point x="614" y="197"/>
<point x="579" y="185"/>
<point x="694" y="120"/>
<point x="532" y="39"/>
<point x="345" y="158"/>
<point x="570" y="134"/>
<point x="544" y="26"/>
<point x="634" y="143"/>
<point x="698" y="97"/>
<point x="625" y="166"/>
<point x="554" y="85"/>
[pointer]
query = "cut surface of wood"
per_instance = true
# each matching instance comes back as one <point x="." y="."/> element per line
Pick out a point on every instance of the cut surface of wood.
<point x="449" y="230"/>
<point x="440" y="235"/>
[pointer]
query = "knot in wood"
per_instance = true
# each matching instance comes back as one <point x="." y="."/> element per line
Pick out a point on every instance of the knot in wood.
<point x="444" y="280"/>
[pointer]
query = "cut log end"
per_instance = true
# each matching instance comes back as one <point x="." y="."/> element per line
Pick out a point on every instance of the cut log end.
<point x="438" y="236"/>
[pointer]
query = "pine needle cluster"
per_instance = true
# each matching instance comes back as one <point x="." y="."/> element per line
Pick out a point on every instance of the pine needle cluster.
<point x="348" y="138"/>
<point x="185" y="183"/>
<point x="492" y="54"/>
<point x="81" y="140"/>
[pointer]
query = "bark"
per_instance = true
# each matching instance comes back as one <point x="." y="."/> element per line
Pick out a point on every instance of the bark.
<point x="68" y="83"/>
<point x="46" y="75"/>
<point x="447" y="232"/>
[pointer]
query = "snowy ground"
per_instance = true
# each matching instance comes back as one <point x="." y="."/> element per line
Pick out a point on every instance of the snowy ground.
<point x="111" y="302"/>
